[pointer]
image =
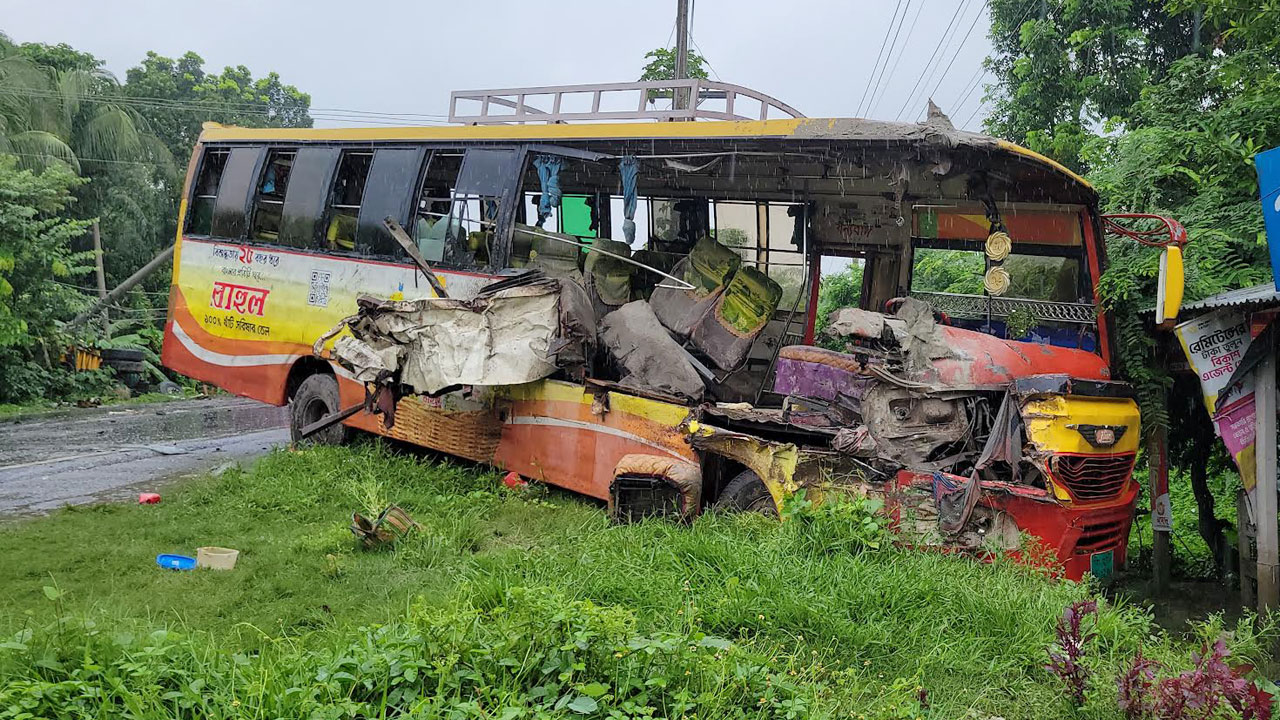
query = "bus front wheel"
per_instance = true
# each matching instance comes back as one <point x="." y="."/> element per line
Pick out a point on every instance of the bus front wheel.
<point x="316" y="398"/>
<point x="746" y="492"/>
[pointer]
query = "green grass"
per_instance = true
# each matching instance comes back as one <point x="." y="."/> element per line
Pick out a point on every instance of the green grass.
<point x="513" y="605"/>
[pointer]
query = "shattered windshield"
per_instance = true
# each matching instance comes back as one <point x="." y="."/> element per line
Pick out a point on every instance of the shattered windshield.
<point x="1031" y="277"/>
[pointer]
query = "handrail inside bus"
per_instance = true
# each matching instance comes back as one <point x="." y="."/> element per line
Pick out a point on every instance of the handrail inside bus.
<point x="683" y="285"/>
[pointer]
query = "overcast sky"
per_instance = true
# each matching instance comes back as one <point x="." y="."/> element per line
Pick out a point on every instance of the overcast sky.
<point x="405" y="57"/>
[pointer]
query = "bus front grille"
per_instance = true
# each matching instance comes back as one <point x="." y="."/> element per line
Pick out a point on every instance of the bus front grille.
<point x="1102" y="535"/>
<point x="1091" y="478"/>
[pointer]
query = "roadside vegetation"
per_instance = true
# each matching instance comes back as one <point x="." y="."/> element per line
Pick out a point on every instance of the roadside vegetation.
<point x="79" y="145"/>
<point x="511" y="604"/>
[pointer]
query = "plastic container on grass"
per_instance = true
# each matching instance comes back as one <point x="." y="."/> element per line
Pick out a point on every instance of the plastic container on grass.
<point x="175" y="562"/>
<point x="216" y="558"/>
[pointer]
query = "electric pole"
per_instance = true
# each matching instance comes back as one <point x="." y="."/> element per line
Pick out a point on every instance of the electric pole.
<point x="102" y="281"/>
<point x="682" y="52"/>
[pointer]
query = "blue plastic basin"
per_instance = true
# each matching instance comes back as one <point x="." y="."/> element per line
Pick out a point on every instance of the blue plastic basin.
<point x="175" y="562"/>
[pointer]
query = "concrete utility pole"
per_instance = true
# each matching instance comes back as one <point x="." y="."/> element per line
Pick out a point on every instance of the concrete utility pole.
<point x="102" y="281"/>
<point x="122" y="288"/>
<point x="1264" y="510"/>
<point x="682" y="51"/>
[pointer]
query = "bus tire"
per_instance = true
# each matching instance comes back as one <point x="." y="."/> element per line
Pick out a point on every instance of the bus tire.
<point x="747" y="493"/>
<point x="317" y="397"/>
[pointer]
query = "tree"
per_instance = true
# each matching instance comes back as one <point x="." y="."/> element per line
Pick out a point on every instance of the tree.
<point x="1062" y="67"/>
<point x="662" y="66"/>
<point x="59" y="105"/>
<point x="1164" y="120"/>
<point x="38" y="268"/>
<point x="179" y="97"/>
<point x="838" y="290"/>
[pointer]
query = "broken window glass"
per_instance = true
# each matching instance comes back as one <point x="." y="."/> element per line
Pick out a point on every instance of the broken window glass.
<point x="268" y="205"/>
<point x="675" y="225"/>
<point x="434" y="201"/>
<point x="738" y="227"/>
<point x="488" y="175"/>
<point x="344" y="205"/>
<point x="200" y="221"/>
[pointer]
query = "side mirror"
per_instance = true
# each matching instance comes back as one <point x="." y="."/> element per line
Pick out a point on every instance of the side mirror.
<point x="1168" y="235"/>
<point x="1169" y="288"/>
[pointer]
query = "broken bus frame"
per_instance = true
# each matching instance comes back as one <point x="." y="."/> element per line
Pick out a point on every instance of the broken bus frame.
<point x="677" y="368"/>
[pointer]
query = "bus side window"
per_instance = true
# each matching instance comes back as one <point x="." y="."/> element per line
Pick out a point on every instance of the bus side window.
<point x="388" y="192"/>
<point x="430" y="225"/>
<point x="268" y="204"/>
<point x="344" y="201"/>
<point x="489" y="178"/>
<point x="200" y="220"/>
<point x="307" y="196"/>
<point x="234" y="192"/>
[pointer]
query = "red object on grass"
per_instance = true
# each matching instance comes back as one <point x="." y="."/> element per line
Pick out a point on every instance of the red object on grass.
<point x="513" y="481"/>
<point x="148" y="498"/>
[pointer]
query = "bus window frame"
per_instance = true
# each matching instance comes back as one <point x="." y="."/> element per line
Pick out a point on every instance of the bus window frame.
<point x="205" y="152"/>
<point x="259" y="151"/>
<point x="1084" y="279"/>
<point x="302" y="158"/>
<point x="408" y="209"/>
<point x="257" y="196"/>
<point x="331" y="208"/>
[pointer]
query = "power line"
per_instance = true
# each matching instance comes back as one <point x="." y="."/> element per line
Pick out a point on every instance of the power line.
<point x="983" y="70"/>
<point x="338" y="115"/>
<point x="970" y="85"/>
<point x="703" y="56"/>
<point x="901" y="51"/>
<point x="89" y="159"/>
<point x="885" y="41"/>
<point x="251" y="106"/>
<point x="693" y="11"/>
<point x="975" y="112"/>
<point x="930" y="62"/>
<point x="960" y="46"/>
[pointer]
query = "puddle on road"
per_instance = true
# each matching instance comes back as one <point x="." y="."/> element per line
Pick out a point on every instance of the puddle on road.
<point x="105" y="429"/>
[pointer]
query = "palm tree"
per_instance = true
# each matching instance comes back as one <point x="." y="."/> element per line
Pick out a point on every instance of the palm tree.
<point x="76" y="115"/>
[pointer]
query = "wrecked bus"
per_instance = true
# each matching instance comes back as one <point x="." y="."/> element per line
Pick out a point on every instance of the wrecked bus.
<point x="629" y="310"/>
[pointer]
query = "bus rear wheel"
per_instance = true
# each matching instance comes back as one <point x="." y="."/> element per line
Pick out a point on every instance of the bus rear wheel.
<point x="746" y="492"/>
<point x="316" y="398"/>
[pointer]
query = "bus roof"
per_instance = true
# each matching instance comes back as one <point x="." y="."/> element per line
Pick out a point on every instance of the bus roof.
<point x="937" y="131"/>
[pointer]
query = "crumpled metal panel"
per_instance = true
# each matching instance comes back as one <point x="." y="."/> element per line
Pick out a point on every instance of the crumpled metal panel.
<point x="499" y="339"/>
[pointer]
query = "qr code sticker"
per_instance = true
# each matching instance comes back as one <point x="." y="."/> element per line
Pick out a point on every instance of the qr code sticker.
<point x="319" y="293"/>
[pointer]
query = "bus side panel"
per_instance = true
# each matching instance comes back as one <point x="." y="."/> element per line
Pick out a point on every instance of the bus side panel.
<point x="556" y="432"/>
<point x="240" y="315"/>
<point x="547" y="430"/>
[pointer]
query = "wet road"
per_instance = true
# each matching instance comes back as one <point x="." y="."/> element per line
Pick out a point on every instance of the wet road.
<point x="102" y="454"/>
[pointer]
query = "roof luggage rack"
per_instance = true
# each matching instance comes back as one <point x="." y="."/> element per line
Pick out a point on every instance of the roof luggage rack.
<point x="715" y="101"/>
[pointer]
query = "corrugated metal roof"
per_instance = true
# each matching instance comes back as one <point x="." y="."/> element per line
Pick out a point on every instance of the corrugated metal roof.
<point x="1265" y="293"/>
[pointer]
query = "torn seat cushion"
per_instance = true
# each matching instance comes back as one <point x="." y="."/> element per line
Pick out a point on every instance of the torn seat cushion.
<point x="609" y="278"/>
<point x="708" y="268"/>
<point x="738" y="316"/>
<point x="812" y="372"/>
<point x="649" y="358"/>
<point x="555" y="258"/>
